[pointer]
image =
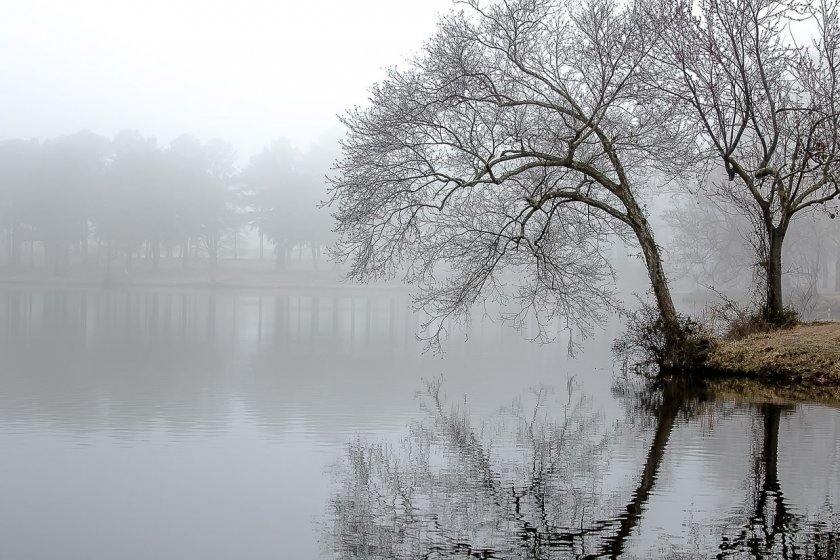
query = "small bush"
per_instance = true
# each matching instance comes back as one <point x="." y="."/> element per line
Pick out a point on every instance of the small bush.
<point x="732" y="320"/>
<point x="645" y="345"/>
<point x="747" y="322"/>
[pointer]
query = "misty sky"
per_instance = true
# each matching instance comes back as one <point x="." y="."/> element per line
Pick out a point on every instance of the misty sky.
<point x="245" y="71"/>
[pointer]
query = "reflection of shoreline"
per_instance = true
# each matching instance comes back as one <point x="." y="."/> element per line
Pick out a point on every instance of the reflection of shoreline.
<point x="194" y="280"/>
<point x="85" y="359"/>
<point x="216" y="316"/>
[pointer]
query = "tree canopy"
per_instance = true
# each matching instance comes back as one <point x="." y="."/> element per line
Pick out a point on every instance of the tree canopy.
<point x="527" y="134"/>
<point x="766" y="107"/>
<point x="520" y="138"/>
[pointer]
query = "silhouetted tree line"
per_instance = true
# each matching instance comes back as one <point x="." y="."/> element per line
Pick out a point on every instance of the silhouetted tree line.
<point x="85" y="200"/>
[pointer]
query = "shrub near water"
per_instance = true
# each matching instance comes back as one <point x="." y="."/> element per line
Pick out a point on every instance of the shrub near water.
<point x="745" y="324"/>
<point x="643" y="345"/>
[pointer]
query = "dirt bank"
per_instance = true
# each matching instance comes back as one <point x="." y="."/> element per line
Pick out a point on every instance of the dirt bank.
<point x="807" y="355"/>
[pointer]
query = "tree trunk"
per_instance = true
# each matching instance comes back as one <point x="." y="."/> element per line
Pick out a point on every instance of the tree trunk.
<point x="155" y="248"/>
<point x="84" y="245"/>
<point x="213" y="253"/>
<point x="261" y="244"/>
<point x="837" y="271"/>
<point x="62" y="259"/>
<point x="14" y="245"/>
<point x="672" y="330"/>
<point x="10" y="241"/>
<point x="185" y="252"/>
<point x="280" y="254"/>
<point x="108" y="261"/>
<point x="774" y="303"/>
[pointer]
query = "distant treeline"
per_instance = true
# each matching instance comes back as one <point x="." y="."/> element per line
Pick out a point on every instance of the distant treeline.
<point x="86" y="200"/>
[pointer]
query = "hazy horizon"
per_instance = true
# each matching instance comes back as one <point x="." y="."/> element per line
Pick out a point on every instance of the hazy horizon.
<point x="247" y="73"/>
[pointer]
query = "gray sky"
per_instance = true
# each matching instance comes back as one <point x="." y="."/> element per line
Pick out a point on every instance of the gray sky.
<point x="246" y="71"/>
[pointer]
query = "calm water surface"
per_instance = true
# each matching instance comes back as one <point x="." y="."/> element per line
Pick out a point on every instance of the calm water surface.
<point x="311" y="425"/>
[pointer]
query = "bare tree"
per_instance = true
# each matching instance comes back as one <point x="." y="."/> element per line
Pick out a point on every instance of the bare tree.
<point x="767" y="109"/>
<point x="515" y="140"/>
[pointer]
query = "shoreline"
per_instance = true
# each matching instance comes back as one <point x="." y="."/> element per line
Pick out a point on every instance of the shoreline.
<point x="798" y="361"/>
<point x="801" y="359"/>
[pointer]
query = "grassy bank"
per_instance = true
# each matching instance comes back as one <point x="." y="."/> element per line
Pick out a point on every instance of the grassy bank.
<point x="807" y="356"/>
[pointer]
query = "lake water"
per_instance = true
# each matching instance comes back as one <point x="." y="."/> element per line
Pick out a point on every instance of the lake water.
<point x="310" y="424"/>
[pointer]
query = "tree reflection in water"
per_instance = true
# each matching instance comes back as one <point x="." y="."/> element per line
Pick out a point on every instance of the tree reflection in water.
<point x="772" y="530"/>
<point x="525" y="487"/>
<point x="530" y="485"/>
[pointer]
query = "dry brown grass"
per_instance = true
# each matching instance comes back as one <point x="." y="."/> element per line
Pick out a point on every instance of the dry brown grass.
<point x="807" y="355"/>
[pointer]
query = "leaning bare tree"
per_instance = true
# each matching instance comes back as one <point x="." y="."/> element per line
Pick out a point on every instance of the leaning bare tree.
<point x="766" y="107"/>
<point x="519" y="139"/>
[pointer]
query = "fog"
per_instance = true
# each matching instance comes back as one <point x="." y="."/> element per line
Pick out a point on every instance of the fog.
<point x="133" y="208"/>
<point x="248" y="81"/>
<point x="209" y="349"/>
<point x="248" y="72"/>
<point x="86" y="204"/>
